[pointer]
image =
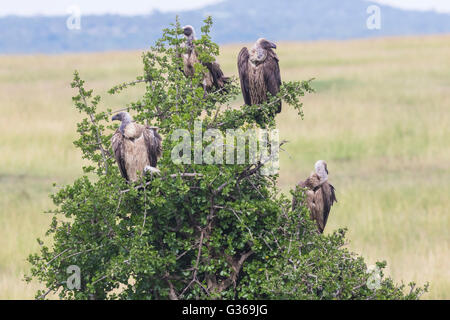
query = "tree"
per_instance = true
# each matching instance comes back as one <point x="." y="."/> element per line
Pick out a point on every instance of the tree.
<point x="209" y="230"/>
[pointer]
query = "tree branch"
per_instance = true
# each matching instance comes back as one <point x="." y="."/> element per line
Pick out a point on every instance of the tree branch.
<point x="94" y="123"/>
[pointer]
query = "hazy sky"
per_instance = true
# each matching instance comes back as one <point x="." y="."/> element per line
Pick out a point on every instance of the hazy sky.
<point x="130" y="7"/>
<point x="126" y="7"/>
<point x="436" y="5"/>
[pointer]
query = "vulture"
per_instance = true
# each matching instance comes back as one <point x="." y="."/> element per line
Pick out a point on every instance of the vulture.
<point x="320" y="195"/>
<point x="214" y="78"/>
<point x="136" y="147"/>
<point x="259" y="72"/>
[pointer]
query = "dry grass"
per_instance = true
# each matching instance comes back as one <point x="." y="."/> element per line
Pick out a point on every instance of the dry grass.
<point x="380" y="118"/>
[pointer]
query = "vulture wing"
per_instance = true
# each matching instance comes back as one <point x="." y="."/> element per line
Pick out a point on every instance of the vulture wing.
<point x="117" y="146"/>
<point x="153" y="143"/>
<point x="312" y="183"/>
<point x="318" y="210"/>
<point x="329" y="197"/>
<point x="219" y="79"/>
<point x="243" y="74"/>
<point x="272" y="77"/>
<point x="333" y="195"/>
<point x="319" y="199"/>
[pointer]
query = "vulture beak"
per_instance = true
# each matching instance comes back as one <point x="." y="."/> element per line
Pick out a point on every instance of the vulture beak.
<point x="116" y="117"/>
<point x="273" y="45"/>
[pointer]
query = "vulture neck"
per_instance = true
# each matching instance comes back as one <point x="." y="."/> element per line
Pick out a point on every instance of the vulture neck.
<point x="190" y="42"/>
<point x="322" y="175"/>
<point x="124" y="124"/>
<point x="132" y="131"/>
<point x="258" y="55"/>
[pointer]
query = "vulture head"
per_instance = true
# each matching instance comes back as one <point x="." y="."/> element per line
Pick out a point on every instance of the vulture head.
<point x="189" y="33"/>
<point x="259" y="51"/>
<point x="125" y="118"/>
<point x="265" y="44"/>
<point x="321" y="170"/>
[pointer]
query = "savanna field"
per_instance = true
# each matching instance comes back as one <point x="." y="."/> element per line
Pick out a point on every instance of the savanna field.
<point x="380" y="117"/>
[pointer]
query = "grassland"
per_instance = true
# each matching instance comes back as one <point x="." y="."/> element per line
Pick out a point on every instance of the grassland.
<point x="380" y="117"/>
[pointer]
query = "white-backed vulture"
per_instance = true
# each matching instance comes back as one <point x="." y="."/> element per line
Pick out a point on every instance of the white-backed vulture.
<point x="136" y="147"/>
<point x="320" y="195"/>
<point x="214" y="78"/>
<point x="259" y="72"/>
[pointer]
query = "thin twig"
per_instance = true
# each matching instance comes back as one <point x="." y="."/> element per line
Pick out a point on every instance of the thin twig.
<point x="58" y="255"/>
<point x="81" y="252"/>
<point x="98" y="280"/>
<point x="99" y="140"/>
<point x="145" y="210"/>
<point x="42" y="297"/>
<point x="195" y="269"/>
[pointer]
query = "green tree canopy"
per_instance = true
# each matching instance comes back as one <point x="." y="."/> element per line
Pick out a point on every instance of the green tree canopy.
<point x="196" y="231"/>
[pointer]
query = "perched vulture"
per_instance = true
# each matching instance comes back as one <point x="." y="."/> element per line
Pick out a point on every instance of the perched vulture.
<point x="259" y="72"/>
<point x="214" y="78"/>
<point x="136" y="147"/>
<point x="320" y="195"/>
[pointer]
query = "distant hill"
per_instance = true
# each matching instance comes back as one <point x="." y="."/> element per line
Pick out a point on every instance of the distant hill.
<point x="235" y="21"/>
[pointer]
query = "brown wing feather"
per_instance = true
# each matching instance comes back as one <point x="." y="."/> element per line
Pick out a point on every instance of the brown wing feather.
<point x="272" y="76"/>
<point x="319" y="199"/>
<point x="117" y="146"/>
<point x="333" y="194"/>
<point x="329" y="197"/>
<point x="318" y="210"/>
<point x="243" y="74"/>
<point x="219" y="80"/>
<point x="153" y="143"/>
<point x="311" y="183"/>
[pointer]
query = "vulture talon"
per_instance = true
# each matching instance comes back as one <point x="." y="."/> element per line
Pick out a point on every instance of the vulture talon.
<point x="151" y="170"/>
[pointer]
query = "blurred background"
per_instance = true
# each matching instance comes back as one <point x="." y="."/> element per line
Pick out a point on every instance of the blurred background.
<point x="380" y="116"/>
